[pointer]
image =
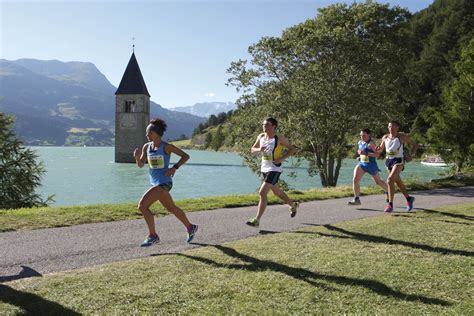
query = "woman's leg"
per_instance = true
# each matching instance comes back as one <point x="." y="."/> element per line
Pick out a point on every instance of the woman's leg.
<point x="148" y="198"/>
<point x="379" y="182"/>
<point x="358" y="174"/>
<point x="167" y="201"/>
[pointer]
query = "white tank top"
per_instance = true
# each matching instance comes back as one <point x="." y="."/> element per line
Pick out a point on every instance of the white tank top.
<point x="394" y="147"/>
<point x="267" y="155"/>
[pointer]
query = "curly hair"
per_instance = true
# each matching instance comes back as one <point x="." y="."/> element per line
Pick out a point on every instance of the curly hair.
<point x="158" y="126"/>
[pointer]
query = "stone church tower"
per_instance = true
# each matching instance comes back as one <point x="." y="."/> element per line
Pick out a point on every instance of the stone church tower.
<point x="132" y="112"/>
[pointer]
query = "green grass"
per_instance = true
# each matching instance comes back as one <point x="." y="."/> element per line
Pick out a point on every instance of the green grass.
<point x="46" y="217"/>
<point x="182" y="143"/>
<point x="394" y="265"/>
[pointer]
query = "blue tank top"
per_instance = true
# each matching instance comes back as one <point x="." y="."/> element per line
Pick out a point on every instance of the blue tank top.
<point x="365" y="160"/>
<point x="158" y="161"/>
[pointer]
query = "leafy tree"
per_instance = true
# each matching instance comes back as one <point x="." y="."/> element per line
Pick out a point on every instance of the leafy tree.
<point x="217" y="139"/>
<point x="323" y="80"/>
<point x="20" y="174"/>
<point x="208" y="140"/>
<point x="452" y="133"/>
<point x="438" y="34"/>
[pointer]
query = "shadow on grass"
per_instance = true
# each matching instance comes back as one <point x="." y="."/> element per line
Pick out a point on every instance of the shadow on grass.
<point x="26" y="272"/>
<point x="386" y="240"/>
<point x="461" y="216"/>
<point x="312" y="278"/>
<point x="267" y="232"/>
<point x="30" y="304"/>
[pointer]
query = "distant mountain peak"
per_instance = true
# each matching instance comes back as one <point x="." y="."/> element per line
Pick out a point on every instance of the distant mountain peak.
<point x="206" y="109"/>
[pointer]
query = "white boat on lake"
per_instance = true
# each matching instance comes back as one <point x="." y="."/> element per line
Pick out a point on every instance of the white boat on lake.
<point x="434" y="161"/>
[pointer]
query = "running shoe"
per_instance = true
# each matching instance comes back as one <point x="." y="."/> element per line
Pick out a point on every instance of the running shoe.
<point x="191" y="232"/>
<point x="253" y="222"/>
<point x="150" y="240"/>
<point x="410" y="202"/>
<point x="388" y="209"/>
<point x="355" y="201"/>
<point x="294" y="208"/>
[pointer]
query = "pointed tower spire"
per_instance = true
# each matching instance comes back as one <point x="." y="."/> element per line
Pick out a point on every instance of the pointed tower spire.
<point x="132" y="80"/>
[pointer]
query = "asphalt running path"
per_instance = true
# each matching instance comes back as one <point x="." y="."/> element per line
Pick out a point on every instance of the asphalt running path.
<point x="37" y="252"/>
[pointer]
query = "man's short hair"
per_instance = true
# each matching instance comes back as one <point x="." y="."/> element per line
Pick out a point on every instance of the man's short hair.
<point x="272" y="120"/>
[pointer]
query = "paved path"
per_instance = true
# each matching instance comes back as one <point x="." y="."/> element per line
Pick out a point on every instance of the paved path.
<point x="33" y="253"/>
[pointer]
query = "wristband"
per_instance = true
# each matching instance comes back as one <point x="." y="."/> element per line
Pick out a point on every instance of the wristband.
<point x="176" y="166"/>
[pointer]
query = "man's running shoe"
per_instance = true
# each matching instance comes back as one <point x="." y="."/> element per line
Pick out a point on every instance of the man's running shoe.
<point x="150" y="240"/>
<point x="294" y="208"/>
<point x="191" y="232"/>
<point x="410" y="203"/>
<point x="388" y="209"/>
<point x="253" y="222"/>
<point x="355" y="201"/>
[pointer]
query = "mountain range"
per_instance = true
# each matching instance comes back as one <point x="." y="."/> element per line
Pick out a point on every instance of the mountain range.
<point x="70" y="103"/>
<point x="206" y="109"/>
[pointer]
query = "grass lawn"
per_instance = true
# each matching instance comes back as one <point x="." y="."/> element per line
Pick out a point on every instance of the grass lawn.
<point x="46" y="217"/>
<point x="181" y="143"/>
<point x="402" y="264"/>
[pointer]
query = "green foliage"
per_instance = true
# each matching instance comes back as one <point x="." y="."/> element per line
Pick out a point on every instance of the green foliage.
<point x="323" y="80"/>
<point x="217" y="139"/>
<point x="213" y="120"/>
<point x="438" y="34"/>
<point x="452" y="133"/>
<point x="20" y="173"/>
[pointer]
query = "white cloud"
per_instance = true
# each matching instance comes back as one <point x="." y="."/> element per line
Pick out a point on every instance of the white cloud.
<point x="210" y="95"/>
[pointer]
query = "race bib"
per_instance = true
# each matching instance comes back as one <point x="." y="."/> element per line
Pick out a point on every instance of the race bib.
<point x="364" y="158"/>
<point x="392" y="153"/>
<point x="267" y="157"/>
<point x="156" y="162"/>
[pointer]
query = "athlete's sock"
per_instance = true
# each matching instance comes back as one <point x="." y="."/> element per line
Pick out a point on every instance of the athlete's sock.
<point x="189" y="227"/>
<point x="153" y="235"/>
<point x="408" y="198"/>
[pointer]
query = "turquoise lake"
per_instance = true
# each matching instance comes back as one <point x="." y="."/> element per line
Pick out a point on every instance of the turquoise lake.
<point x="88" y="175"/>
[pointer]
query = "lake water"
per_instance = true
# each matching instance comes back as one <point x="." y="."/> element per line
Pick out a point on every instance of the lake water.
<point x="88" y="175"/>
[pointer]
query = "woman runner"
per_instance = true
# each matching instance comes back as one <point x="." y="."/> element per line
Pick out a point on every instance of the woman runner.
<point x="367" y="163"/>
<point x="157" y="153"/>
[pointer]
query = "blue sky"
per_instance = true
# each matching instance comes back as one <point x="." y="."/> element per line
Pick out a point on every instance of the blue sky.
<point x="183" y="47"/>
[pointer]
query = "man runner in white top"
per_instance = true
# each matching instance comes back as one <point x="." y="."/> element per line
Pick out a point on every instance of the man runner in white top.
<point x="271" y="147"/>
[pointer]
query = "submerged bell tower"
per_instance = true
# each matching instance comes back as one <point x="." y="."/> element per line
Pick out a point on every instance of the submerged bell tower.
<point x="132" y="112"/>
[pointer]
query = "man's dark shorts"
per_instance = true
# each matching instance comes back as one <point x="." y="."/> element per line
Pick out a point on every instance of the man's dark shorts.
<point x="391" y="162"/>
<point x="271" y="177"/>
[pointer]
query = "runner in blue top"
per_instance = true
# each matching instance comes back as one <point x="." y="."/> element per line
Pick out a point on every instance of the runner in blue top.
<point x="367" y="163"/>
<point x="158" y="153"/>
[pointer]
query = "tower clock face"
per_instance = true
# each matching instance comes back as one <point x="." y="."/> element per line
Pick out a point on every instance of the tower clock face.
<point x="128" y="121"/>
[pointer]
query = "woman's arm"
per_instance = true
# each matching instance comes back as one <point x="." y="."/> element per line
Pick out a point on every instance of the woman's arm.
<point x="373" y="147"/>
<point x="140" y="156"/>
<point x="175" y="150"/>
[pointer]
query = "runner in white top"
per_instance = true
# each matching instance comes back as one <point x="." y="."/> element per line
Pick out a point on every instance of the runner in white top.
<point x="393" y="144"/>
<point x="271" y="147"/>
